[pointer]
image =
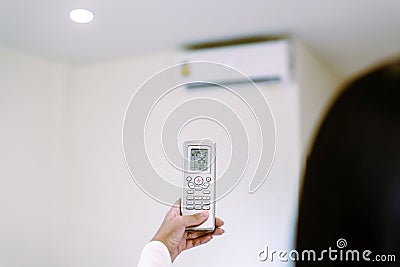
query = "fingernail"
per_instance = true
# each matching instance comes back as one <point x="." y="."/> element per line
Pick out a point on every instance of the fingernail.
<point x="204" y="214"/>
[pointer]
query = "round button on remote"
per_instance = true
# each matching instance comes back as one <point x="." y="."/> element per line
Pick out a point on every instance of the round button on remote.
<point x="208" y="179"/>
<point x="198" y="180"/>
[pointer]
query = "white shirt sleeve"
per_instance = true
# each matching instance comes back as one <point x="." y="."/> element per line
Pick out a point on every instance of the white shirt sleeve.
<point x="155" y="254"/>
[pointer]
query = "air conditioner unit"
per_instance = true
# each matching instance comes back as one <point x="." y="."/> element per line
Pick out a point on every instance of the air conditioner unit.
<point x="267" y="61"/>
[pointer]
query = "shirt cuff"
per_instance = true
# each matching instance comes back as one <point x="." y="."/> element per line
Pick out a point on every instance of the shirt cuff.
<point x="155" y="254"/>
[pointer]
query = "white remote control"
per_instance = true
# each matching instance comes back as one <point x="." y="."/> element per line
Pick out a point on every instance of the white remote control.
<point x="198" y="187"/>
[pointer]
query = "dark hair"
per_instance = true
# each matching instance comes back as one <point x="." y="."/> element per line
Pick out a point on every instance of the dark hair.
<point x="351" y="187"/>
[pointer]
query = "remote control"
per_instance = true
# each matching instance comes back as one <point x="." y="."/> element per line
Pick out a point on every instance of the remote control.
<point x="198" y="187"/>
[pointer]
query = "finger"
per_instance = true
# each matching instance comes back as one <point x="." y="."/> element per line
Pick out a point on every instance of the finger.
<point x="193" y="235"/>
<point x="174" y="210"/>
<point x="218" y="231"/>
<point x="176" y="205"/>
<point x="195" y="219"/>
<point x="191" y="243"/>
<point x="219" y="222"/>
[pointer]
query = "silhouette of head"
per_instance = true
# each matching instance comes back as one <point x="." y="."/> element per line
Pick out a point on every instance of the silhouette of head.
<point x="351" y="187"/>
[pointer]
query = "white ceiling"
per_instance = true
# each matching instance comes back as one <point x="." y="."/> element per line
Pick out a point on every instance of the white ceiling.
<point x="347" y="34"/>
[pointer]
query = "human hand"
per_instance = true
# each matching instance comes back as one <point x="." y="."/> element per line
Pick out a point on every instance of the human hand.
<point x="172" y="231"/>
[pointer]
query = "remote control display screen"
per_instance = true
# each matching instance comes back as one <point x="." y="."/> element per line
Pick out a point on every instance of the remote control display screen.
<point x="198" y="159"/>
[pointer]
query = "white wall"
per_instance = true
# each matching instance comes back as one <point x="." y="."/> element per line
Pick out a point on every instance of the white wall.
<point x="319" y="84"/>
<point x="33" y="184"/>
<point x="112" y="218"/>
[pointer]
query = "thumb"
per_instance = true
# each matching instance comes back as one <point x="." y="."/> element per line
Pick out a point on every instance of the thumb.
<point x="195" y="219"/>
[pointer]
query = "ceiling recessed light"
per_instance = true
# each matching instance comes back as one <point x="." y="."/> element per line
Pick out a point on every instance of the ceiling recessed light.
<point x="81" y="15"/>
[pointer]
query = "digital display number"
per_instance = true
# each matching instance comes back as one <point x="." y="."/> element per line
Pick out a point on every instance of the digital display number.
<point x="198" y="159"/>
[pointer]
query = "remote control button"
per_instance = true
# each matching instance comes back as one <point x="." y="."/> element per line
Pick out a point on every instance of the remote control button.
<point x="208" y="179"/>
<point x="206" y="198"/>
<point x="197" y="207"/>
<point x="198" y="180"/>
<point x="191" y="185"/>
<point x="197" y="197"/>
<point x="189" y="202"/>
<point x="206" y="192"/>
<point x="188" y="178"/>
<point x="190" y="191"/>
<point x="197" y="202"/>
<point x="205" y="185"/>
<point x="206" y="207"/>
<point x="189" y="207"/>
<point x="198" y="188"/>
<point x="206" y="202"/>
<point x="189" y="197"/>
